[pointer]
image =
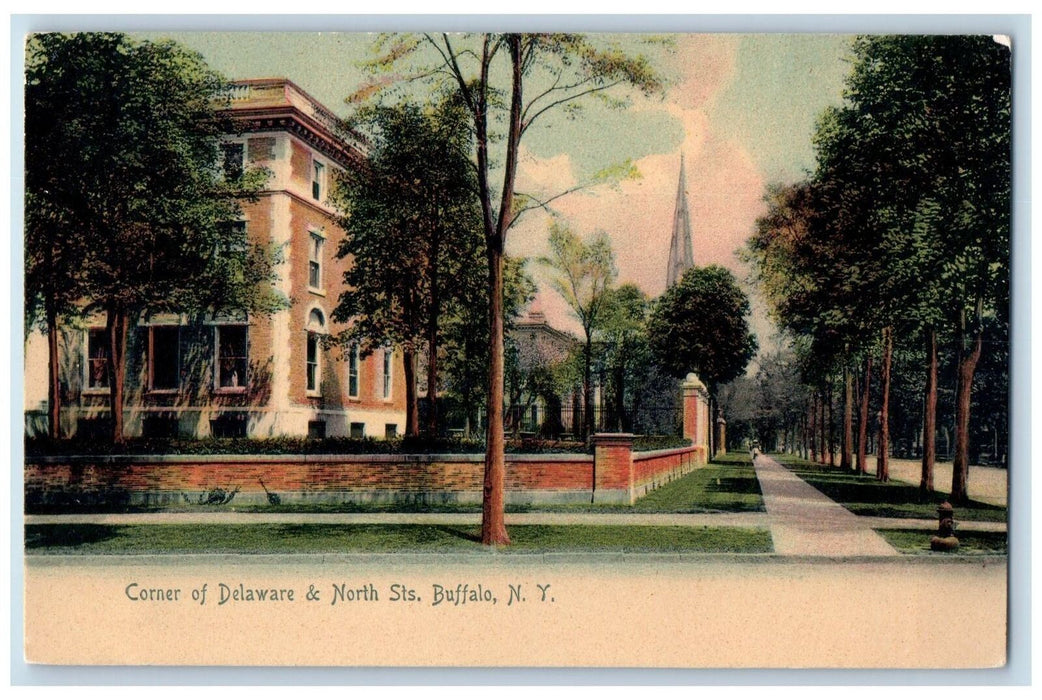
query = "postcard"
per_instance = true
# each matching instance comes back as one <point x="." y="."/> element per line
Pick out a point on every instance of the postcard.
<point x="590" y="350"/>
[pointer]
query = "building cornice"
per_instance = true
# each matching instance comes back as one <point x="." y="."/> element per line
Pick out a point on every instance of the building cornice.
<point x="293" y="121"/>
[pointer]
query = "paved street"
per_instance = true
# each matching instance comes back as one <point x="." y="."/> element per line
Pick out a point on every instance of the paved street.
<point x="985" y="484"/>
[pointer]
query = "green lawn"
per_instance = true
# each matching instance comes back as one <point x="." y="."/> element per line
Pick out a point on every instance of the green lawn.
<point x="272" y="539"/>
<point x="918" y="542"/>
<point x="863" y="495"/>
<point x="728" y="485"/>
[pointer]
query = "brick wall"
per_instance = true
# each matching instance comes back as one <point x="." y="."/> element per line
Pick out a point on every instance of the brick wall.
<point x="621" y="476"/>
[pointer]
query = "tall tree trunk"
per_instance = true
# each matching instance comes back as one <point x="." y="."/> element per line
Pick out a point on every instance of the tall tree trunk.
<point x="432" y="374"/>
<point x="847" y="459"/>
<point x="929" y="416"/>
<point x="803" y="437"/>
<point x="622" y="423"/>
<point x="862" y="428"/>
<point x="714" y="429"/>
<point x="116" y="331"/>
<point x="961" y="465"/>
<point x="493" y="524"/>
<point x="54" y="429"/>
<point x="812" y="427"/>
<point x="433" y="318"/>
<point x="821" y="427"/>
<point x="588" y="418"/>
<point x="831" y="424"/>
<point x="412" y="408"/>
<point x="883" y="461"/>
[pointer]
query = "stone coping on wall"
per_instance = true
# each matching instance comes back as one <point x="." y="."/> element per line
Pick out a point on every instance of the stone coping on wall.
<point x="307" y="459"/>
<point x="652" y="454"/>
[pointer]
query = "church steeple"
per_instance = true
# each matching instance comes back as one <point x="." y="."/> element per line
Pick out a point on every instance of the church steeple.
<point x="680" y="255"/>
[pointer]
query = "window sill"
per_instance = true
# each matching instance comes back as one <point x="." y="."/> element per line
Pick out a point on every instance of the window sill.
<point x="313" y="394"/>
<point x="316" y="291"/>
<point x="96" y="391"/>
<point x="230" y="390"/>
<point x="163" y="392"/>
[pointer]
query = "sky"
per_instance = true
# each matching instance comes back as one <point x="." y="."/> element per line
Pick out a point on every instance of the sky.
<point x="740" y="108"/>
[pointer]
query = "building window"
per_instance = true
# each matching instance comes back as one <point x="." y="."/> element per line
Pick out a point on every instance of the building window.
<point x="164" y="353"/>
<point x="388" y="354"/>
<point x="159" y="427"/>
<point x="233" y="236"/>
<point x="316" y="326"/>
<point x="358" y="430"/>
<point x="352" y="371"/>
<point x="315" y="245"/>
<point x="228" y="425"/>
<point x="231" y="357"/>
<point x="97" y="359"/>
<point x="317" y="181"/>
<point x="233" y="157"/>
<point x="312" y="362"/>
<point x="390" y="431"/>
<point x="316" y="429"/>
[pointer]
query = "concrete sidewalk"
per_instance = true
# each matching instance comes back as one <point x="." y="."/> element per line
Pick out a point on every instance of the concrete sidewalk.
<point x="805" y="522"/>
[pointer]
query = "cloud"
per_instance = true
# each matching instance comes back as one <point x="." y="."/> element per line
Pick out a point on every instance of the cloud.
<point x="544" y="176"/>
<point x="724" y="186"/>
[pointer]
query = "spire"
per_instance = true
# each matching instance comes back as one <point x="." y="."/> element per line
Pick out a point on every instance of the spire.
<point x="680" y="256"/>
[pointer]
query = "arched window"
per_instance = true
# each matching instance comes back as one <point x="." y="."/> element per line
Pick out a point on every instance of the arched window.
<point x="313" y="357"/>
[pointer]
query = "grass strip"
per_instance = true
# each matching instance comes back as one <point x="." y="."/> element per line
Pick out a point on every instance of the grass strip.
<point x="864" y="495"/>
<point x="311" y="538"/>
<point x="970" y="543"/>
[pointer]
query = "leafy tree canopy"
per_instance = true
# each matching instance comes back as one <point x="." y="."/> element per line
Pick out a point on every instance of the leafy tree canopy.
<point x="413" y="223"/>
<point x="700" y="325"/>
<point x="122" y="148"/>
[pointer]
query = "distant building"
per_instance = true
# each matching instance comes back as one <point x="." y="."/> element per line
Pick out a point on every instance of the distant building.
<point x="535" y="403"/>
<point x="232" y="375"/>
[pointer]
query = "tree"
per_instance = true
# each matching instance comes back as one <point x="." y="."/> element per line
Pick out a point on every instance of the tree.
<point x="489" y="74"/>
<point x="927" y="130"/>
<point x="624" y="338"/>
<point x="905" y="227"/>
<point x="414" y="226"/>
<point x="798" y="254"/>
<point x="700" y="324"/>
<point x="465" y="364"/>
<point x="122" y="141"/>
<point x="582" y="273"/>
<point x="55" y="254"/>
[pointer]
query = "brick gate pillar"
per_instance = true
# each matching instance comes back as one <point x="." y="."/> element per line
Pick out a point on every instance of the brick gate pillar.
<point x="613" y="468"/>
<point x="694" y="391"/>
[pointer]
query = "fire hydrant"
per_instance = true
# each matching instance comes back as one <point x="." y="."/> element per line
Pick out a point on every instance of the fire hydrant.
<point x="945" y="539"/>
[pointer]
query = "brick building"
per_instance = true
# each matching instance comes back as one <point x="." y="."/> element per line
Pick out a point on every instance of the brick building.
<point x="533" y="405"/>
<point x="238" y="376"/>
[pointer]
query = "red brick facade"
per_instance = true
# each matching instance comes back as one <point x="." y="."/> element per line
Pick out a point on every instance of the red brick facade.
<point x="286" y="131"/>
